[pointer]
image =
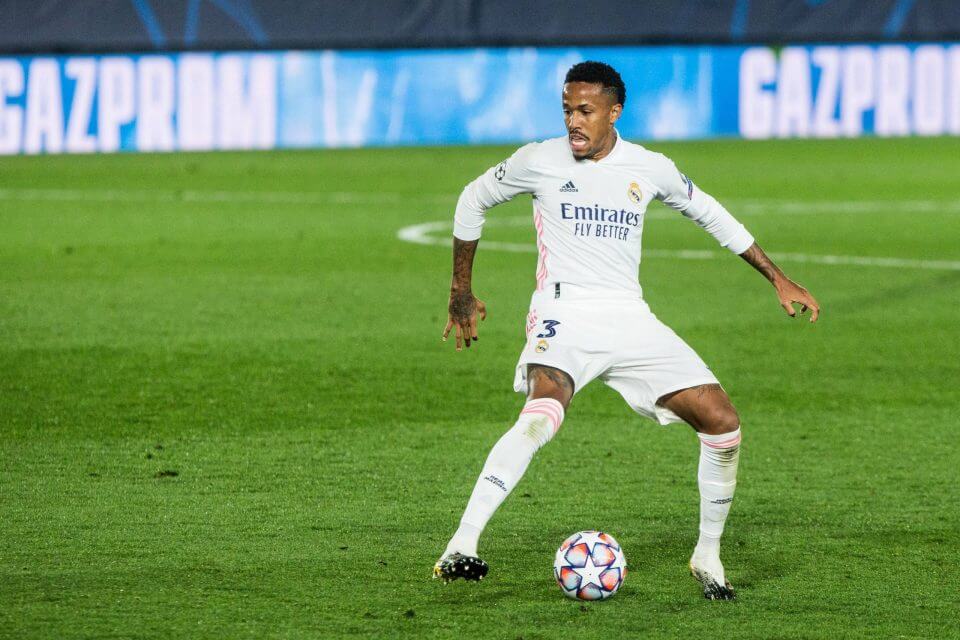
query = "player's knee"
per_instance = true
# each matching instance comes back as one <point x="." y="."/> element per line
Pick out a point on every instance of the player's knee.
<point x="719" y="420"/>
<point x="548" y="382"/>
<point x="553" y="393"/>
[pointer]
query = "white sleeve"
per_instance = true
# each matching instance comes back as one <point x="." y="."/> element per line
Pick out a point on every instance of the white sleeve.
<point x="513" y="176"/>
<point x="678" y="191"/>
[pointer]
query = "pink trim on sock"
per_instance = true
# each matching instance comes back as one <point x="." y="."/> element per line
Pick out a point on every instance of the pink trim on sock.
<point x="547" y="407"/>
<point x="551" y="411"/>
<point x="546" y="403"/>
<point x="729" y="443"/>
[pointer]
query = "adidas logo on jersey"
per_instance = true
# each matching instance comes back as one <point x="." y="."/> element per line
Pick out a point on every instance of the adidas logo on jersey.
<point x="568" y="188"/>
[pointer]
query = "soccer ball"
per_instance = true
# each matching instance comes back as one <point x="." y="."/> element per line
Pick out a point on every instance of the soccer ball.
<point x="590" y="566"/>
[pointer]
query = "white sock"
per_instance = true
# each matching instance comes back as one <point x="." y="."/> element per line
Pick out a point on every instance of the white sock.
<point x="717" y="478"/>
<point x="538" y="422"/>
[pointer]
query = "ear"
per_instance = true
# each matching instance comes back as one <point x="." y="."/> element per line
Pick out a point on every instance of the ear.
<point x="615" y="112"/>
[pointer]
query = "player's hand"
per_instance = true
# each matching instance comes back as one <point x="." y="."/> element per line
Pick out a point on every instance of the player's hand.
<point x="462" y="314"/>
<point x="791" y="293"/>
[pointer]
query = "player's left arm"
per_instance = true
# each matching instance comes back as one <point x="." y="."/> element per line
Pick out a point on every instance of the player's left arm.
<point x="788" y="291"/>
<point x="679" y="192"/>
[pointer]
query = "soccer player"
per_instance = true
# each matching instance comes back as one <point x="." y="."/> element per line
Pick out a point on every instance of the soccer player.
<point x="587" y="315"/>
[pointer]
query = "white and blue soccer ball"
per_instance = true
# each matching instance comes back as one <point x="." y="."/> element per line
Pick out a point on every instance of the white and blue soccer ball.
<point x="590" y="565"/>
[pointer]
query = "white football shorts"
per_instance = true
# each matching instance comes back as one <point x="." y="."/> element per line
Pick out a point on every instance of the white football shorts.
<point x="619" y="341"/>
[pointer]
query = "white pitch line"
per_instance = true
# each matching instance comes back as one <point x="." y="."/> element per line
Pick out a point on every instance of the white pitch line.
<point x="846" y="206"/>
<point x="420" y="234"/>
<point x="745" y="207"/>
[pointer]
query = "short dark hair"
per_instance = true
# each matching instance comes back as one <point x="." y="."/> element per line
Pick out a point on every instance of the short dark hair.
<point x="599" y="73"/>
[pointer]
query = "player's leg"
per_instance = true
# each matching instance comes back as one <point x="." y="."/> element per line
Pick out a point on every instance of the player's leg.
<point x="549" y="394"/>
<point x="708" y="409"/>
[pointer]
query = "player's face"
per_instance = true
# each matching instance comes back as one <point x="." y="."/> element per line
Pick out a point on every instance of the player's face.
<point x="589" y="113"/>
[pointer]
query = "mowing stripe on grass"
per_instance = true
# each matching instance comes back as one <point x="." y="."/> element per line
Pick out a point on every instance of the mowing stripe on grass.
<point x="421" y="234"/>
<point x="741" y="207"/>
<point x="191" y="195"/>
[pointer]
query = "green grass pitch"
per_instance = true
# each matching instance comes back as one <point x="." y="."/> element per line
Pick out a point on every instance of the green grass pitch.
<point x="226" y="411"/>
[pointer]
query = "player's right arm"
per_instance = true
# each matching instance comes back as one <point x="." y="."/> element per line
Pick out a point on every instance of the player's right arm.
<point x="497" y="185"/>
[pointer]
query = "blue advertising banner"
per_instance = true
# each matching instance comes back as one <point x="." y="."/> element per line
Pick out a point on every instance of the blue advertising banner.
<point x="295" y="99"/>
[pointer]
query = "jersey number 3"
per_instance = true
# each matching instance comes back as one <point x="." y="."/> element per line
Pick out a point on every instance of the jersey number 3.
<point x="548" y="329"/>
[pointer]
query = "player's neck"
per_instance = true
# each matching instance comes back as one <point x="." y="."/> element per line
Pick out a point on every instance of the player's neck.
<point x="606" y="148"/>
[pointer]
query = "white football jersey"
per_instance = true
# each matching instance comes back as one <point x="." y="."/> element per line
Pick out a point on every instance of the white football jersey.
<point x="589" y="215"/>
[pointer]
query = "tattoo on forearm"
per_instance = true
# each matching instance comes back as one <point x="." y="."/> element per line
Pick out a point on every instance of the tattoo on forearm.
<point x="463" y="252"/>
<point x="761" y="262"/>
<point x="462" y="303"/>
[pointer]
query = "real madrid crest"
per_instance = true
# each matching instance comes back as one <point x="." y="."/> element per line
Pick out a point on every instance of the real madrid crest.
<point x="542" y="346"/>
<point x="634" y="192"/>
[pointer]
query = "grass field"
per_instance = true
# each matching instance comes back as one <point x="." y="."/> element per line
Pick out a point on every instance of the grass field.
<point x="226" y="412"/>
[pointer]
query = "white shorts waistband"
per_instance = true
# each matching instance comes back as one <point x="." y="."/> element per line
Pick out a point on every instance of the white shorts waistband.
<point x="570" y="291"/>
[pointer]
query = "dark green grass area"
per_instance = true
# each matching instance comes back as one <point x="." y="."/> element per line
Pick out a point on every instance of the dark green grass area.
<point x="226" y="412"/>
